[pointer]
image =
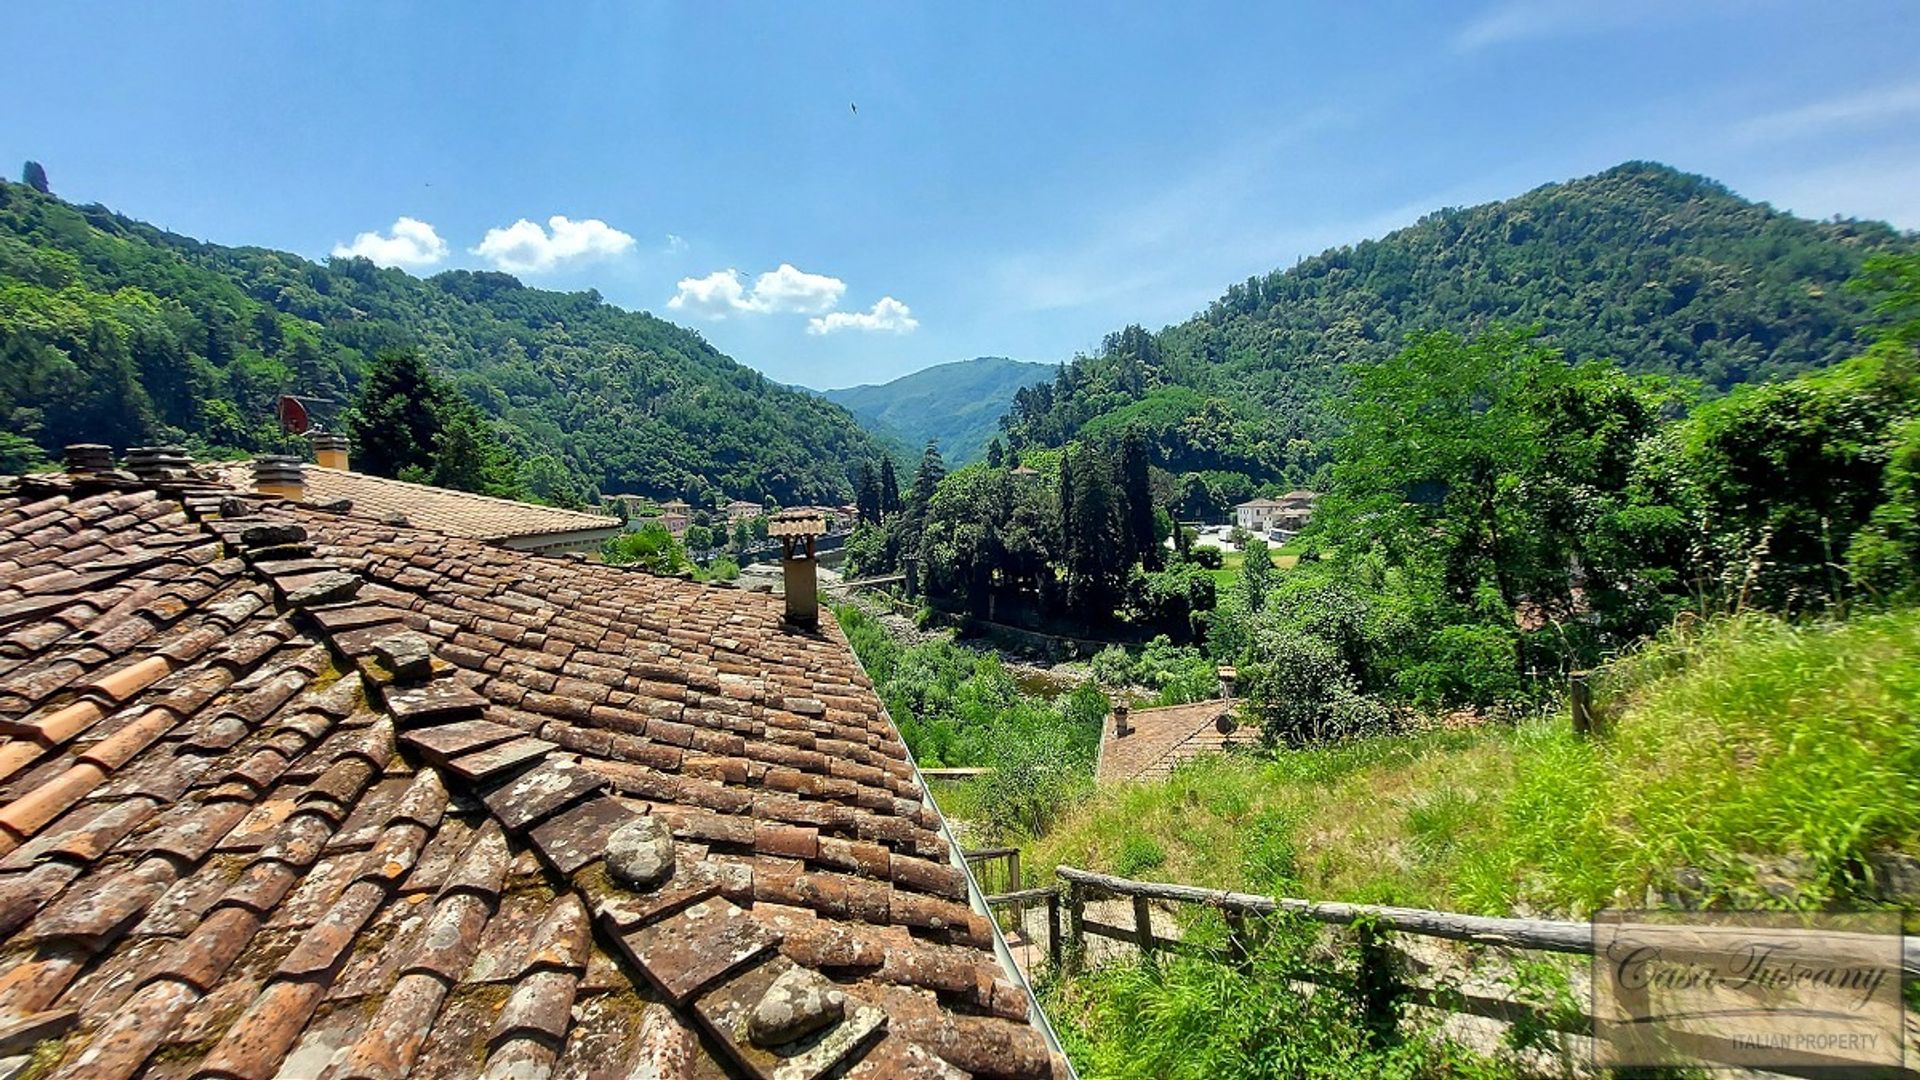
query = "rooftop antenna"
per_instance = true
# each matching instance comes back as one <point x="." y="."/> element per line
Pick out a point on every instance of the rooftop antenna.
<point x="299" y="415"/>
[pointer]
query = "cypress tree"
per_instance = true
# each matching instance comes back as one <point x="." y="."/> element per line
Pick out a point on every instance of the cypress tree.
<point x="889" y="488"/>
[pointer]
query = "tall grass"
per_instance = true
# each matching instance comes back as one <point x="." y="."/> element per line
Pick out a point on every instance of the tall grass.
<point x="1186" y="1018"/>
<point x="1748" y="762"/>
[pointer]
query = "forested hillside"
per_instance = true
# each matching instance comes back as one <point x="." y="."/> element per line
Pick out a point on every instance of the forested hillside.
<point x="114" y="331"/>
<point x="956" y="405"/>
<point x="1656" y="270"/>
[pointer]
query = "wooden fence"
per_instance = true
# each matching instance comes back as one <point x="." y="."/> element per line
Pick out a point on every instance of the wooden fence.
<point x="1377" y="982"/>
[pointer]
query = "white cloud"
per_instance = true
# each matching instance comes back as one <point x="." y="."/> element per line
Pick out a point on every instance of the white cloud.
<point x="1533" y="20"/>
<point x="888" y="315"/>
<point x="1872" y="107"/>
<point x="715" y="296"/>
<point x="525" y="248"/>
<point x="675" y="243"/>
<point x="792" y="290"/>
<point x="788" y="290"/>
<point x="410" y="243"/>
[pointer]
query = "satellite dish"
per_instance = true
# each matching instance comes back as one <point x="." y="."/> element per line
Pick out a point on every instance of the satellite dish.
<point x="293" y="416"/>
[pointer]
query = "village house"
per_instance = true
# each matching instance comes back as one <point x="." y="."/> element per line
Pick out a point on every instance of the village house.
<point x="291" y="788"/>
<point x="1146" y="744"/>
<point x="1289" y="513"/>
<point x="741" y="510"/>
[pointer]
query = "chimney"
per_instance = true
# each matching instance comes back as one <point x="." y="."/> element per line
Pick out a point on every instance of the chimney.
<point x="158" y="462"/>
<point x="89" y="458"/>
<point x="1227" y="677"/>
<point x="796" y="530"/>
<point x="330" y="450"/>
<point x="1122" y="724"/>
<point x="277" y="475"/>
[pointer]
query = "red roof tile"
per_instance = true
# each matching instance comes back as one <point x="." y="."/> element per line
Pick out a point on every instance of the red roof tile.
<point x="244" y="832"/>
<point x="1162" y="738"/>
<point x="455" y="513"/>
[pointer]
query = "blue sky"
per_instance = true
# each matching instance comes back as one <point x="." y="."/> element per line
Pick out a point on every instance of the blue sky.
<point x="1018" y="180"/>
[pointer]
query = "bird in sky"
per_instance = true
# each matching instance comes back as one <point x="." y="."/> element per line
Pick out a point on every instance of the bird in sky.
<point x="855" y="106"/>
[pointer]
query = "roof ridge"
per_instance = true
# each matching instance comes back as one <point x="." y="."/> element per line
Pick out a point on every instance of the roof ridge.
<point x="599" y="519"/>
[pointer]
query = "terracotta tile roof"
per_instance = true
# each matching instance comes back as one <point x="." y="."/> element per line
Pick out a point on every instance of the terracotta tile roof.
<point x="291" y="793"/>
<point x="1162" y="738"/>
<point x="455" y="513"/>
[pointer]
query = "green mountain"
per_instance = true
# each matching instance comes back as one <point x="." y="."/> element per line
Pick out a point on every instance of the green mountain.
<point x="957" y="405"/>
<point x="1657" y="270"/>
<point x="114" y="331"/>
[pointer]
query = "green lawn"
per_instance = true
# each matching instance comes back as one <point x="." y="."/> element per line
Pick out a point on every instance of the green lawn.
<point x="1232" y="561"/>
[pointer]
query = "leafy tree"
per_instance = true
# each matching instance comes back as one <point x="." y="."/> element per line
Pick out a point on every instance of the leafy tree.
<point x="34" y="175"/>
<point x="651" y="547"/>
<point x="548" y="481"/>
<point x="699" y="540"/>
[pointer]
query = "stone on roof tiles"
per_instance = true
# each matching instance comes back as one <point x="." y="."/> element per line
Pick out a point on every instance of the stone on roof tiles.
<point x="574" y="837"/>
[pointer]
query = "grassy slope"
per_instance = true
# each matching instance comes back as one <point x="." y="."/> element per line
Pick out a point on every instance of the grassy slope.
<point x="1753" y="754"/>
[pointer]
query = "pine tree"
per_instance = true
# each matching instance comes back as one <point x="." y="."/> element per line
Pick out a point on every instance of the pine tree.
<point x="393" y="423"/>
<point x="996" y="455"/>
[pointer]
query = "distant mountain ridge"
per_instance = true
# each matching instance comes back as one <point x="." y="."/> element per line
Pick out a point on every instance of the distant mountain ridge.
<point x="957" y="405"/>
<point x="115" y="331"/>
<point x="1660" y="271"/>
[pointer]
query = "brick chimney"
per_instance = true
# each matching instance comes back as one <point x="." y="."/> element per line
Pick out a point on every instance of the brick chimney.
<point x="89" y="458"/>
<point x="797" y="530"/>
<point x="1122" y="722"/>
<point x="1227" y="677"/>
<point x="330" y="450"/>
<point x="282" y="476"/>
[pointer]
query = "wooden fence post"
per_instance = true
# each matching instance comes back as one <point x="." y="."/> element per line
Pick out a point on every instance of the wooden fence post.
<point x="1580" y="699"/>
<point x="1076" y="950"/>
<point x="1143" y="925"/>
<point x="1053" y="929"/>
<point x="1378" y="988"/>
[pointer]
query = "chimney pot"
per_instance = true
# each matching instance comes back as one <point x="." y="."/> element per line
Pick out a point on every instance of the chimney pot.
<point x="1122" y="721"/>
<point x="158" y="462"/>
<point x="330" y="450"/>
<point x="89" y="458"/>
<point x="1227" y="677"/>
<point x="797" y="530"/>
<point x="274" y="474"/>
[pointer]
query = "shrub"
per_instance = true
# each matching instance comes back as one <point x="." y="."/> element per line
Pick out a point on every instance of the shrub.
<point x="1302" y="691"/>
<point x="1138" y="854"/>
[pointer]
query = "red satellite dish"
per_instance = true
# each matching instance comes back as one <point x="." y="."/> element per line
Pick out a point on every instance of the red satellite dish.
<point x="293" y="416"/>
